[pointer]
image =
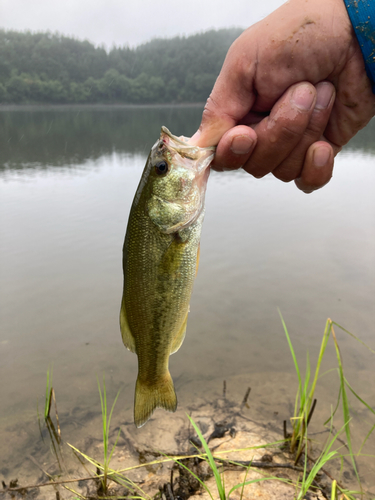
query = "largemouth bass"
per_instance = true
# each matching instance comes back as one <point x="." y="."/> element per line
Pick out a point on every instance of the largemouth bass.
<point x="160" y="261"/>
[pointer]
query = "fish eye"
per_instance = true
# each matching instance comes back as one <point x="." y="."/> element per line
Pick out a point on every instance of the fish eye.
<point x="161" y="168"/>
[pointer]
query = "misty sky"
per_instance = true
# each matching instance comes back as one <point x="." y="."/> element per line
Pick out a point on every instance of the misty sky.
<point x="130" y="22"/>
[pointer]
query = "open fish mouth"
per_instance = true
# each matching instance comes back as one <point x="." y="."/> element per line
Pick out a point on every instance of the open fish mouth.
<point x="202" y="156"/>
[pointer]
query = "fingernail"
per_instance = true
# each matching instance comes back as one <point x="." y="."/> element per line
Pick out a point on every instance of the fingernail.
<point x="303" y="96"/>
<point x="321" y="156"/>
<point x="324" y="95"/>
<point x="241" y="144"/>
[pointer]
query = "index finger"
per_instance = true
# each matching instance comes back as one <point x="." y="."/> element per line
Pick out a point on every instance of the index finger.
<point x="231" y="98"/>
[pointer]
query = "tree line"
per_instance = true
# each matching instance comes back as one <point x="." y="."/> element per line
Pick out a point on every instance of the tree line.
<point x="52" y="68"/>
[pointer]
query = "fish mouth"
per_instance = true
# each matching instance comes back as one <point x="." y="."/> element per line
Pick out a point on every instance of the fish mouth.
<point x="202" y="157"/>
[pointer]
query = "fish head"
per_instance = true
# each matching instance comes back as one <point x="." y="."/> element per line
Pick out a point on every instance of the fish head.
<point x="177" y="177"/>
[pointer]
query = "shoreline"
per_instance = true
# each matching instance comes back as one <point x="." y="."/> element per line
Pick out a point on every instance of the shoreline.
<point x="160" y="461"/>
<point x="98" y="106"/>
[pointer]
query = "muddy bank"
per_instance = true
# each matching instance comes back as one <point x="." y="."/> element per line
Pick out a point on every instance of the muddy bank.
<point x="146" y="464"/>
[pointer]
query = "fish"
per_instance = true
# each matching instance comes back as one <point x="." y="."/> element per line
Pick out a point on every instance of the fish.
<point x="160" y="262"/>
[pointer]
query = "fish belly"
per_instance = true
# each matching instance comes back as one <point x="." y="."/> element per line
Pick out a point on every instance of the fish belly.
<point x="159" y="271"/>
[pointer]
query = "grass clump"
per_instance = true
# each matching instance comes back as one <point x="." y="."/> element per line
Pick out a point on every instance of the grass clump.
<point x="219" y="476"/>
<point x="106" y="421"/>
<point x="304" y="407"/>
<point x="103" y="470"/>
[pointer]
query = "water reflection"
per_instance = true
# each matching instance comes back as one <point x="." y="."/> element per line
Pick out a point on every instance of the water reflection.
<point x="45" y="137"/>
<point x="52" y="136"/>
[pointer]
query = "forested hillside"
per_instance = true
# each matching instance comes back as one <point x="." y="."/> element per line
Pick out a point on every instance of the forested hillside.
<point x="51" y="68"/>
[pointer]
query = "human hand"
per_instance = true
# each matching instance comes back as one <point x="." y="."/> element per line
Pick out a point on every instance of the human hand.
<point x="264" y="112"/>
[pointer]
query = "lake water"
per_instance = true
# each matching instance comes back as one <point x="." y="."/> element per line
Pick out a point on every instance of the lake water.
<point x="67" y="179"/>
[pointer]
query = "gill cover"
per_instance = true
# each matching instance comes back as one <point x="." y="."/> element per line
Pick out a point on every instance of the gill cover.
<point x="178" y="189"/>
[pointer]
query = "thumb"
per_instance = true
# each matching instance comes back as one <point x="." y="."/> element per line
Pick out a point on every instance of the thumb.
<point x="231" y="98"/>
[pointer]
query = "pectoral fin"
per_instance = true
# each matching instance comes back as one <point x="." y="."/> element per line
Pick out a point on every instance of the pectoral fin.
<point x="179" y="337"/>
<point x="127" y="336"/>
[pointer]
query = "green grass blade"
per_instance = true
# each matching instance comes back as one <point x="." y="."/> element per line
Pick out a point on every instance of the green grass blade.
<point x="48" y="400"/>
<point x="325" y="457"/>
<point x="354" y="336"/>
<point x="243" y="484"/>
<point x="114" y="446"/>
<point x="345" y="406"/>
<point x="103" y="403"/>
<point x="368" y="407"/>
<point x="336" y="408"/>
<point x="127" y="483"/>
<point x="334" y="490"/>
<point x="307" y="374"/>
<point x="259" y="480"/>
<point x="89" y="459"/>
<point x="291" y="350"/>
<point x="358" y="397"/>
<point x="113" y="406"/>
<point x="299" y="401"/>
<point x="211" y="460"/>
<point x="194" y="475"/>
<point x="323" y="346"/>
<point x="366" y="438"/>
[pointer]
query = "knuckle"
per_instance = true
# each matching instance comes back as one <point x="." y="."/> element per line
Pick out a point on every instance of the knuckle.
<point x="209" y="111"/>
<point x="283" y="175"/>
<point x="255" y="170"/>
<point x="289" y="170"/>
<point x="291" y="135"/>
<point x="317" y="124"/>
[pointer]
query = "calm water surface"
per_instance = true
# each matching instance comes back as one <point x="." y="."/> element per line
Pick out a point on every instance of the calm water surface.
<point x="67" y="180"/>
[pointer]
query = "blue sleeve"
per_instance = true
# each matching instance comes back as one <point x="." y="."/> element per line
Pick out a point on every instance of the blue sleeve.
<point x="362" y="17"/>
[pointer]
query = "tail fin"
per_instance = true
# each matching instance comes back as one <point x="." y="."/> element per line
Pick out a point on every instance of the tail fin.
<point x="147" y="398"/>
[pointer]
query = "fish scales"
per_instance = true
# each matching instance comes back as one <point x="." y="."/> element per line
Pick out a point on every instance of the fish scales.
<point x="160" y="256"/>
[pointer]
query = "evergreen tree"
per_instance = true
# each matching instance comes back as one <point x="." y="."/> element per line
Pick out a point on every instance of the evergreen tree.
<point x="52" y="68"/>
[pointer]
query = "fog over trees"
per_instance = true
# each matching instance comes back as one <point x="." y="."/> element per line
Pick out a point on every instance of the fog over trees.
<point x="52" y="68"/>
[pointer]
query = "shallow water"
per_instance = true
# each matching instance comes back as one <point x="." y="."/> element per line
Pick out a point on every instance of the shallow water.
<point x="67" y="180"/>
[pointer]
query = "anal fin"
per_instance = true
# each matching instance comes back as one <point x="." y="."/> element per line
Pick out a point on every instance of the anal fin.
<point x="179" y="337"/>
<point x="127" y="336"/>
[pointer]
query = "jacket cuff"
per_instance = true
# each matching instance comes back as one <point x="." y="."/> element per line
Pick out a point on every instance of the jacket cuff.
<point x="362" y="17"/>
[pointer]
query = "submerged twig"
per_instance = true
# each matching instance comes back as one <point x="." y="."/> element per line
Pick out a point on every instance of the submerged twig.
<point x="246" y="397"/>
<point x="259" y="464"/>
<point x="311" y="412"/>
<point x="284" y="429"/>
<point x="50" y="483"/>
<point x="171" y="481"/>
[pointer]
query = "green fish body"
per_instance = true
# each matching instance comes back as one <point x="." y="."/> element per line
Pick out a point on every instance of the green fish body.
<point x="160" y="261"/>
